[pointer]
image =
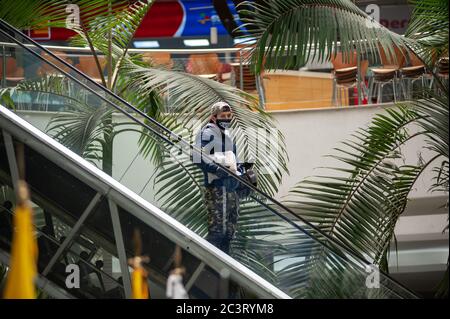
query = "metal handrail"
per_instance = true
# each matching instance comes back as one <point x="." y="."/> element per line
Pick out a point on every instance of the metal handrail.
<point x="174" y="51"/>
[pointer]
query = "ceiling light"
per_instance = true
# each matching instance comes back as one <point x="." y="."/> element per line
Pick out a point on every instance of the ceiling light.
<point x="196" y="42"/>
<point x="146" y="44"/>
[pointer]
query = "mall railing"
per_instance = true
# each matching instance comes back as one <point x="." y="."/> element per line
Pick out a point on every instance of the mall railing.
<point x="223" y="65"/>
<point x="317" y="85"/>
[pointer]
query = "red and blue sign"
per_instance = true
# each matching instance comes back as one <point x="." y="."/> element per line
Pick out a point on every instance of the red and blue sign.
<point x="182" y="18"/>
<point x="177" y="18"/>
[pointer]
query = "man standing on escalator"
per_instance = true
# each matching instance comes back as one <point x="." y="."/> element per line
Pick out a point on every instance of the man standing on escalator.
<point x="222" y="191"/>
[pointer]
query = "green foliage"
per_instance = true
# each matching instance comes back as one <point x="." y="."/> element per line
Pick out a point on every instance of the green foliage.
<point x="357" y="202"/>
<point x="291" y="32"/>
<point x="33" y="14"/>
<point x="429" y="28"/>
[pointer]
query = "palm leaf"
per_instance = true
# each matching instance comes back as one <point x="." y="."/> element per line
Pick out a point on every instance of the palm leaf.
<point x="434" y="111"/>
<point x="429" y="28"/>
<point x="33" y="14"/>
<point x="81" y="129"/>
<point x="192" y="96"/>
<point x="111" y="32"/>
<point x="81" y="125"/>
<point x="291" y="32"/>
<point x="359" y="208"/>
<point x="358" y="203"/>
<point x="435" y="122"/>
<point x="153" y="106"/>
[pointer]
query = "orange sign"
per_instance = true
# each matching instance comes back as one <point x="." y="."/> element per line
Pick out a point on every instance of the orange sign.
<point x="40" y="34"/>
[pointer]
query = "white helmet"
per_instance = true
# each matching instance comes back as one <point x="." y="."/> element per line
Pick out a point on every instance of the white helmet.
<point x="220" y="107"/>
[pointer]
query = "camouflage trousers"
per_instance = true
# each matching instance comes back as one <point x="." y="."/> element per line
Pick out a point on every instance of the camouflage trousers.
<point x="223" y="212"/>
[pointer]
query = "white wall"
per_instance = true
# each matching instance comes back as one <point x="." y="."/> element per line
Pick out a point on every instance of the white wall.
<point x="312" y="134"/>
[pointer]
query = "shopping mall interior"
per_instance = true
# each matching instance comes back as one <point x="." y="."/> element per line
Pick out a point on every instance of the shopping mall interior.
<point x="339" y="107"/>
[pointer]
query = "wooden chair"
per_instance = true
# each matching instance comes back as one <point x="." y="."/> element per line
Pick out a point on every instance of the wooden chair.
<point x="441" y="70"/>
<point x="387" y="74"/>
<point x="409" y="75"/>
<point x="241" y="62"/>
<point x="393" y="60"/>
<point x="346" y="76"/>
<point x="248" y="81"/>
<point x="248" y="78"/>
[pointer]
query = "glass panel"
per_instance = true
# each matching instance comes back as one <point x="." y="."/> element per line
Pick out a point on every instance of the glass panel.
<point x="93" y="251"/>
<point x="7" y="197"/>
<point x="204" y="281"/>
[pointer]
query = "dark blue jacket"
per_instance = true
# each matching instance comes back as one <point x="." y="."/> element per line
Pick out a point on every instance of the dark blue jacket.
<point x="211" y="139"/>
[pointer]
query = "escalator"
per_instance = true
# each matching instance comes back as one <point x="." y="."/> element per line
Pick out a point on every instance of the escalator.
<point x="94" y="215"/>
<point x="86" y="217"/>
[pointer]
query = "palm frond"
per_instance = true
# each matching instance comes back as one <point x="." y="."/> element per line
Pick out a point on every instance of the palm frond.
<point x="435" y="120"/>
<point x="80" y="125"/>
<point x="359" y="201"/>
<point x="429" y="28"/>
<point x="191" y="97"/>
<point x="152" y="105"/>
<point x="179" y="191"/>
<point x="97" y="10"/>
<point x="121" y="22"/>
<point x="81" y="128"/>
<point x="33" y="14"/>
<point x="359" y="207"/>
<point x="291" y="32"/>
<point x="111" y="32"/>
